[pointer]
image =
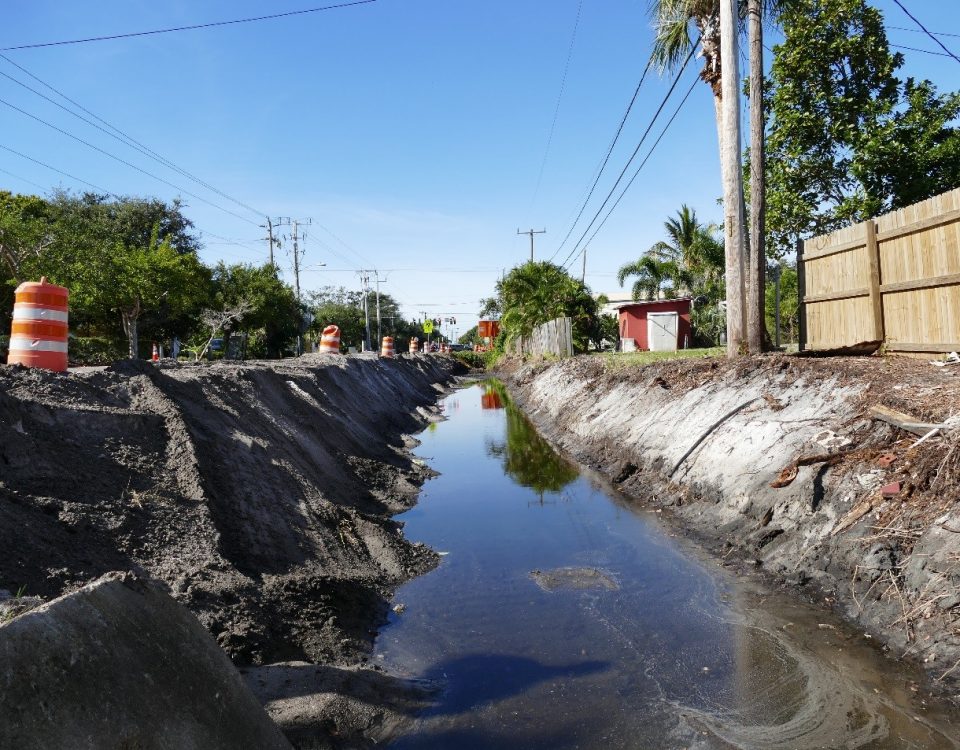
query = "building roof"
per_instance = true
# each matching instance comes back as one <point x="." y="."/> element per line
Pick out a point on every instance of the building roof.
<point x="647" y="302"/>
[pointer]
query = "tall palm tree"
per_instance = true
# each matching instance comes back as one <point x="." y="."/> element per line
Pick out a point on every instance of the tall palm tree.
<point x="689" y="260"/>
<point x="756" y="258"/>
<point x="673" y="19"/>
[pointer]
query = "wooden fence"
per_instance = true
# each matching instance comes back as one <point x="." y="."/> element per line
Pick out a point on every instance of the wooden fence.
<point x="893" y="280"/>
<point x="553" y="337"/>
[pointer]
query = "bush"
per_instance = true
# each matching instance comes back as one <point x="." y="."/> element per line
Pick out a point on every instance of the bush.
<point x="93" y="350"/>
<point x="473" y="360"/>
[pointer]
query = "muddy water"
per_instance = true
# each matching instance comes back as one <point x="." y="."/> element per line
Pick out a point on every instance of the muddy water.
<point x="560" y="617"/>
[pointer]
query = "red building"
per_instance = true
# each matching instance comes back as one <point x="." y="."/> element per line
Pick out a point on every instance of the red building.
<point x="655" y="325"/>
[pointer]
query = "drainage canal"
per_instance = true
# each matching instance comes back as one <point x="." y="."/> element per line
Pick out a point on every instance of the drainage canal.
<point x="561" y="617"/>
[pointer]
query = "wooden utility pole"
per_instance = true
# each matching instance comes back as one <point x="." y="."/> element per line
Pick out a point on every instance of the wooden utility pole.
<point x="531" y="233"/>
<point x="271" y="238"/>
<point x="733" y="207"/>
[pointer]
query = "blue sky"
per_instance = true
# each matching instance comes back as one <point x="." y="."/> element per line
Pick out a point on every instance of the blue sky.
<point x="412" y="132"/>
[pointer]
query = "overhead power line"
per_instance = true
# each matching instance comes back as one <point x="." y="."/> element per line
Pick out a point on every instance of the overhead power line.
<point x="210" y="25"/>
<point x="556" y="109"/>
<point x="111" y="194"/>
<point x="920" y="31"/>
<point x="639" y="168"/>
<point x="917" y="49"/>
<point x="603" y="164"/>
<point x="118" y="134"/>
<point x="127" y="163"/>
<point x="626" y="166"/>
<point x="926" y="30"/>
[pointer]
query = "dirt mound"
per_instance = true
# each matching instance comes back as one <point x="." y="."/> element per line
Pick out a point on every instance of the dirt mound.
<point x="777" y="461"/>
<point x="261" y="494"/>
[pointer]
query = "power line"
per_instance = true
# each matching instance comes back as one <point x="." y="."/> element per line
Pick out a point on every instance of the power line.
<point x="918" y="31"/>
<point x="603" y="164"/>
<point x="125" y="162"/>
<point x="23" y="179"/>
<point x="642" y="163"/>
<point x="646" y="132"/>
<point x="926" y="31"/>
<point x="113" y="195"/>
<point x="189" y="28"/>
<point x="556" y="110"/>
<point x="917" y="49"/>
<point x="118" y="134"/>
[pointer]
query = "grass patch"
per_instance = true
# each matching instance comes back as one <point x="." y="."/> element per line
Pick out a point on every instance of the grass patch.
<point x="618" y="360"/>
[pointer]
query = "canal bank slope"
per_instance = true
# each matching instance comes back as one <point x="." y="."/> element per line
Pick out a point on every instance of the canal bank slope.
<point x="260" y="495"/>
<point x="861" y="520"/>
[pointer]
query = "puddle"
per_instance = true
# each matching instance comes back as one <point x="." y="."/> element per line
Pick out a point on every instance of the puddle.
<point x="562" y="618"/>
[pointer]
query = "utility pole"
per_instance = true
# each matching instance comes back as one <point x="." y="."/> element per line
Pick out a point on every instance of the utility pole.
<point x="365" y="280"/>
<point x="583" y="277"/>
<point x="378" y="280"/>
<point x="531" y="233"/>
<point x="271" y="238"/>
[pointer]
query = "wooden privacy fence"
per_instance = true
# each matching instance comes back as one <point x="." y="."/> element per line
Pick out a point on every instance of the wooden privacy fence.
<point x="553" y="337"/>
<point x="894" y="279"/>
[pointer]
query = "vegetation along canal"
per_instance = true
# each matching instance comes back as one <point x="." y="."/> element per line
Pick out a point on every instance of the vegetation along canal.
<point x="561" y="617"/>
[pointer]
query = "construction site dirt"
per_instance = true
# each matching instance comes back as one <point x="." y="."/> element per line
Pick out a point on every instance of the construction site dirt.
<point x="260" y="495"/>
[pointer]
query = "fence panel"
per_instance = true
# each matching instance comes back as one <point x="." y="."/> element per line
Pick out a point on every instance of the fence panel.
<point x="553" y="337"/>
<point x="895" y="279"/>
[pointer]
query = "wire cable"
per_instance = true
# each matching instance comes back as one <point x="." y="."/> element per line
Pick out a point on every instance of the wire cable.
<point x="556" y="110"/>
<point x="917" y="49"/>
<point x="118" y="134"/>
<point x="926" y="30"/>
<point x="642" y="163"/>
<point x="646" y="132"/>
<point x="188" y="28"/>
<point x="918" y="31"/>
<point x="603" y="164"/>
<point x="127" y="163"/>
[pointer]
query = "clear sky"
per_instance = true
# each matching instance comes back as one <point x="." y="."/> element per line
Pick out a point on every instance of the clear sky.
<point x="415" y="133"/>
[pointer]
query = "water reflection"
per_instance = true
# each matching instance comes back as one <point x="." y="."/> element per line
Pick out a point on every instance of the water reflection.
<point x="526" y="457"/>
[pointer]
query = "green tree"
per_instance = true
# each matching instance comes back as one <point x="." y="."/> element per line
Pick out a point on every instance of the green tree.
<point x="847" y="139"/>
<point x="274" y="316"/>
<point x="539" y="291"/>
<point x="689" y="261"/>
<point x="789" y="304"/>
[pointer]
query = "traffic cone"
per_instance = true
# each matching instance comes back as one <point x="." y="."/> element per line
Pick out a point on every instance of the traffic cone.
<point x="156" y="353"/>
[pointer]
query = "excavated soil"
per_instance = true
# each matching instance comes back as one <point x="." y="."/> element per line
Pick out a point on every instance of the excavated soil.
<point x="775" y="464"/>
<point x="259" y="494"/>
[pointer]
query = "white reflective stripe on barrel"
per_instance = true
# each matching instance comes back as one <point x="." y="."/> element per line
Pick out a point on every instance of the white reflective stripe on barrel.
<point x="24" y="312"/>
<point x="27" y="344"/>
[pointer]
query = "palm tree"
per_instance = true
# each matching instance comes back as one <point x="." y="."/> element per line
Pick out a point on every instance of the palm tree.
<point x="756" y="258"/>
<point x="691" y="259"/>
<point x="672" y="20"/>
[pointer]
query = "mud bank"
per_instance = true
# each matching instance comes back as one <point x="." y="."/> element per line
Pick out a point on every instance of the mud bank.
<point x="260" y="495"/>
<point x="871" y="529"/>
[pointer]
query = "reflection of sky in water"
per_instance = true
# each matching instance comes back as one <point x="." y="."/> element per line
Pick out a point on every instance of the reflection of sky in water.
<point x="663" y="661"/>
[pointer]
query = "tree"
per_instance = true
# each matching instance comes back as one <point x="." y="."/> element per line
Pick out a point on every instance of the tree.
<point x="24" y="230"/>
<point x="756" y="257"/>
<point x="847" y="140"/>
<point x="274" y="318"/>
<point x="690" y="260"/>
<point x="539" y="291"/>
<point x="221" y="320"/>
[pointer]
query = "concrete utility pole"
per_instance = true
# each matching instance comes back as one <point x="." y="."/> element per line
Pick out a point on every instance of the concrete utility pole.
<point x="365" y="280"/>
<point x="531" y="233"/>
<point x="378" y="280"/>
<point x="271" y="238"/>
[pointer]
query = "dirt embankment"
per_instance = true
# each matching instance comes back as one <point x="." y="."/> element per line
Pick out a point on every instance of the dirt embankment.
<point x="261" y="494"/>
<point x="865" y="522"/>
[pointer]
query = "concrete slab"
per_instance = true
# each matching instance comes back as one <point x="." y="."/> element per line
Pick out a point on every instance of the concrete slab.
<point x="119" y="664"/>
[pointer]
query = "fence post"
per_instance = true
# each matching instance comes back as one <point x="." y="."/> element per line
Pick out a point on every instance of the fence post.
<point x="876" y="302"/>
<point x="801" y="296"/>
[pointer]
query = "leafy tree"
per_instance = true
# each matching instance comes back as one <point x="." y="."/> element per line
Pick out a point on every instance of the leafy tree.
<point x="847" y="139"/>
<point x="490" y="308"/>
<point x="273" y="319"/>
<point x="789" y="303"/>
<point x="344" y="308"/>
<point x="539" y="291"/>
<point x="689" y="261"/>
<point x="471" y="337"/>
<point x="24" y="230"/>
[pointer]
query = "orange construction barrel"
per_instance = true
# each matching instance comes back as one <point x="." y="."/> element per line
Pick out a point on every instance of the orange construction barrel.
<point x="414" y="345"/>
<point x="38" y="336"/>
<point x="386" y="350"/>
<point x="330" y="340"/>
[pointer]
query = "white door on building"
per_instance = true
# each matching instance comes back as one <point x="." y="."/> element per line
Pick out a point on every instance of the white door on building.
<point x="662" y="331"/>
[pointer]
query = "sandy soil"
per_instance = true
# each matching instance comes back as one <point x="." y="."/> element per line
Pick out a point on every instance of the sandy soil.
<point x="864" y="521"/>
<point x="259" y="494"/>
